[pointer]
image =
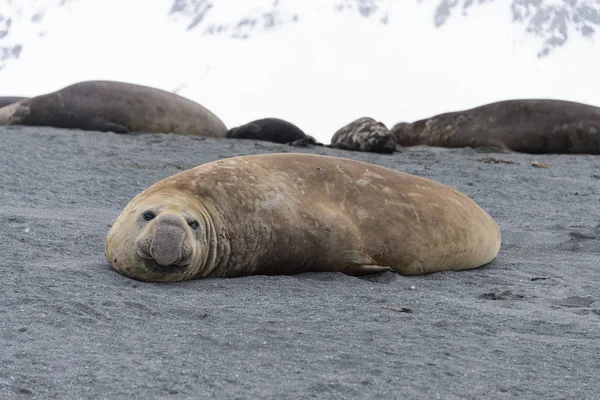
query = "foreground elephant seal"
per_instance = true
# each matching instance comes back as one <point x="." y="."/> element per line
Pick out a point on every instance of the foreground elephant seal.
<point x="289" y="213"/>
<point x="364" y="134"/>
<point x="528" y="126"/>
<point x="272" y="130"/>
<point x="6" y="100"/>
<point x="117" y="107"/>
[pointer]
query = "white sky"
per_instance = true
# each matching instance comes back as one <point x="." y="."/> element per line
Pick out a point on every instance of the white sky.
<point x="319" y="73"/>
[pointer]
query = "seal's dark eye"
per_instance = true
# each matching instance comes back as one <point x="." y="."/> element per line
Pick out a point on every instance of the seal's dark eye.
<point x="194" y="224"/>
<point x="148" y="215"/>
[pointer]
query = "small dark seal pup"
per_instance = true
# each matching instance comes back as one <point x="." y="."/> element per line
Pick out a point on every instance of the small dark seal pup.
<point x="115" y="106"/>
<point x="6" y="100"/>
<point x="272" y="130"/>
<point x="364" y="134"/>
<point x="534" y="126"/>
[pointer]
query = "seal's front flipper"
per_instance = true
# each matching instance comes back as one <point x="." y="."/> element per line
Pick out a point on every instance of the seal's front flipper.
<point x="106" y="126"/>
<point x="358" y="270"/>
<point x="356" y="263"/>
<point x="305" y="142"/>
<point x="489" y="146"/>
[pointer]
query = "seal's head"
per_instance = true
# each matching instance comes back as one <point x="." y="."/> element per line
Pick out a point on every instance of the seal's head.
<point x="365" y="134"/>
<point x="380" y="138"/>
<point x="403" y="132"/>
<point x="160" y="237"/>
<point x="248" y="131"/>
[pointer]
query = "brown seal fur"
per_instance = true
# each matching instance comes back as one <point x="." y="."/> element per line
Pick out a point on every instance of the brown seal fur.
<point x="7" y="100"/>
<point x="287" y="213"/>
<point x="364" y="134"/>
<point x="115" y="106"/>
<point x="528" y="126"/>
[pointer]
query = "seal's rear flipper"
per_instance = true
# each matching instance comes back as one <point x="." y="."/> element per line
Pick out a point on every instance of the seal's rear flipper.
<point x="13" y="113"/>
<point x="358" y="270"/>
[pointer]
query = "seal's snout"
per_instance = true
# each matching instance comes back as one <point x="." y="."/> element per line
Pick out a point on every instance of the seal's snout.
<point x="168" y="239"/>
<point x="388" y="145"/>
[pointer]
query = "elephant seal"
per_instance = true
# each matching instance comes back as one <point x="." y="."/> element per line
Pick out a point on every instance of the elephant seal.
<point x="272" y="130"/>
<point x="533" y="126"/>
<point x="6" y="100"/>
<point x="364" y="134"/>
<point x="115" y="106"/>
<point x="286" y="213"/>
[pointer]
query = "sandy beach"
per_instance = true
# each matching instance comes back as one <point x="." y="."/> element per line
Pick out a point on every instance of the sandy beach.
<point x="526" y="326"/>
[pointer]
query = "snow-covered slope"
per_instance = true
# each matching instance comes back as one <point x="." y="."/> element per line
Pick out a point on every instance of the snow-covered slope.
<point x="317" y="63"/>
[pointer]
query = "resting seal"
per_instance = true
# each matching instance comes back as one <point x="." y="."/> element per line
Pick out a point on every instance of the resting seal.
<point x="6" y="100"/>
<point x="115" y="106"/>
<point x="528" y="126"/>
<point x="272" y="130"/>
<point x="364" y="134"/>
<point x="290" y="213"/>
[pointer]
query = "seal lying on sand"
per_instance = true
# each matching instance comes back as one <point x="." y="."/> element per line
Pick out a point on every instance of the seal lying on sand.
<point x="272" y="130"/>
<point x="117" y="107"/>
<point x="364" y="134"/>
<point x="6" y="100"/>
<point x="290" y="213"/>
<point x="526" y="126"/>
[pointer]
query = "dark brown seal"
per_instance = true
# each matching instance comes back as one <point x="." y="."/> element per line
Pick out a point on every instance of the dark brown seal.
<point x="528" y="126"/>
<point x="286" y="213"/>
<point x="115" y="106"/>
<point x="272" y="130"/>
<point x="364" y="134"/>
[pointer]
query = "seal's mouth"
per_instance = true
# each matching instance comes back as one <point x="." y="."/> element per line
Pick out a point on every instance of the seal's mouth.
<point x="153" y="266"/>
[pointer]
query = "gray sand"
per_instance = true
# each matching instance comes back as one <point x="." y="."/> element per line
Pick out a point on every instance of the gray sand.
<point x="526" y="326"/>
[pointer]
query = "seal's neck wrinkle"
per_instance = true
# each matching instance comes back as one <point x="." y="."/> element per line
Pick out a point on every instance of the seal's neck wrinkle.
<point x="215" y="246"/>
